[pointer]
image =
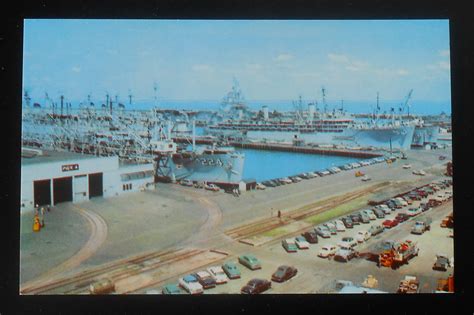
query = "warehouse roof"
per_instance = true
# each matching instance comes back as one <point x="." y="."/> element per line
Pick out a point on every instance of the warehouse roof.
<point x="35" y="156"/>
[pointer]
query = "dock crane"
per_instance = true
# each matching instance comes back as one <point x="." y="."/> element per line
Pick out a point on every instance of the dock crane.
<point x="406" y="102"/>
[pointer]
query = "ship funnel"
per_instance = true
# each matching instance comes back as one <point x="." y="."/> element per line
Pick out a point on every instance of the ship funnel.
<point x="265" y="112"/>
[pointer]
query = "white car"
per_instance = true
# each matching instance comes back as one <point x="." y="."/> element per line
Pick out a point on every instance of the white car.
<point x="327" y="251"/>
<point x="419" y="172"/>
<point x="211" y="187"/>
<point x="218" y="274"/>
<point x="364" y="163"/>
<point x="370" y="214"/>
<point x="365" y="178"/>
<point x="340" y="227"/>
<point x="260" y="186"/>
<point x="191" y="284"/>
<point x="402" y="201"/>
<point x="355" y="165"/>
<point x="301" y="242"/>
<point x="312" y="174"/>
<point x="286" y="180"/>
<point x="347" y="241"/>
<point x="362" y="236"/>
<point x="406" y="166"/>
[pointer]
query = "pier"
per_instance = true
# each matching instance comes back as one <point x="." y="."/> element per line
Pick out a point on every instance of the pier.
<point x="287" y="148"/>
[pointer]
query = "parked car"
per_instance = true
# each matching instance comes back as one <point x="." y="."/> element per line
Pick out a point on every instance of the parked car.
<point x="312" y="174"/>
<point x="419" y="172"/>
<point x="186" y="182"/>
<point x="284" y="273"/>
<point x="331" y="227"/>
<point x="256" y="286"/>
<point x="301" y="242"/>
<point x="289" y="245"/>
<point x="327" y="251"/>
<point x="384" y="208"/>
<point x="205" y="279"/>
<point x="285" y="180"/>
<point x="199" y="185"/>
<point x="250" y="261"/>
<point x="406" y="166"/>
<point x="364" y="163"/>
<point x="347" y="221"/>
<point x="260" y="186"/>
<point x="295" y="179"/>
<point x="379" y="213"/>
<point x="362" y="236"/>
<point x="347" y="241"/>
<point x="356" y="219"/>
<point x="364" y="218"/>
<point x="391" y="204"/>
<point x="191" y="284"/>
<point x="170" y="289"/>
<point x="413" y="212"/>
<point x="401" y="201"/>
<point x="402" y="217"/>
<point x="322" y="231"/>
<point x="370" y="214"/>
<point x="231" y="270"/>
<point x="441" y="262"/>
<point x="269" y="183"/>
<point x="340" y="227"/>
<point x="218" y="274"/>
<point x="303" y="176"/>
<point x="390" y="223"/>
<point x="344" y="254"/>
<point x="376" y="229"/>
<point x="211" y="187"/>
<point x="311" y="237"/>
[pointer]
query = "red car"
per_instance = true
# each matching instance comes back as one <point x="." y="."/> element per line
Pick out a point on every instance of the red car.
<point x="390" y="223"/>
<point x="401" y="217"/>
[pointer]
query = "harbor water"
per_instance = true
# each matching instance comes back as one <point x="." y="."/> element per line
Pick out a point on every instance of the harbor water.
<point x="264" y="165"/>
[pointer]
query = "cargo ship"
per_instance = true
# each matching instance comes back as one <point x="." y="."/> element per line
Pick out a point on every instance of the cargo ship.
<point x="311" y="126"/>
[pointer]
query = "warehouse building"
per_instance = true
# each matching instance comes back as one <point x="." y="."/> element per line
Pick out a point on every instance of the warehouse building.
<point x="51" y="177"/>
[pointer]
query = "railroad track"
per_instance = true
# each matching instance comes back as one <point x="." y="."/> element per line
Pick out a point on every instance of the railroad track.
<point x="72" y="284"/>
<point x="267" y="224"/>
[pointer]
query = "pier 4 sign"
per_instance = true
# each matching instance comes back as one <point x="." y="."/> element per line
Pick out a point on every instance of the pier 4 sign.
<point x="70" y="167"/>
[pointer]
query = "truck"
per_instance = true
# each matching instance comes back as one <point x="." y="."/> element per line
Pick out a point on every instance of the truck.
<point x="421" y="226"/>
<point x="448" y="221"/>
<point x="399" y="254"/>
<point x="410" y="284"/>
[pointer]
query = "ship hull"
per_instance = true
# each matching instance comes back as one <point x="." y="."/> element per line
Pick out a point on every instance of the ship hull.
<point x="213" y="168"/>
<point x="425" y="135"/>
<point x="396" y="137"/>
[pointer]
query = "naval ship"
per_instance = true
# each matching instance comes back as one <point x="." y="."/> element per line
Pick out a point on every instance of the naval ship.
<point x="311" y="126"/>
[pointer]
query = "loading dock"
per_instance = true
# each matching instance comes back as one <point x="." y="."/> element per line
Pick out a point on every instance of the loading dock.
<point x="42" y="192"/>
<point x="62" y="189"/>
<point x="95" y="185"/>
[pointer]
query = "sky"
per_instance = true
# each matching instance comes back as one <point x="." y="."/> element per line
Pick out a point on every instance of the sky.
<point x="271" y="59"/>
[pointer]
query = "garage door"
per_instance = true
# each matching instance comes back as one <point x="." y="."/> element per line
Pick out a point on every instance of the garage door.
<point x="42" y="192"/>
<point x="62" y="189"/>
<point x="95" y="185"/>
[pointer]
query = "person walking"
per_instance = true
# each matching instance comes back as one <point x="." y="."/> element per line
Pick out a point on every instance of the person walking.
<point x="279" y="214"/>
<point x="42" y="217"/>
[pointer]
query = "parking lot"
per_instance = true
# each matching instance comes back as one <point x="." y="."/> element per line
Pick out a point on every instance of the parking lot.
<point x="319" y="275"/>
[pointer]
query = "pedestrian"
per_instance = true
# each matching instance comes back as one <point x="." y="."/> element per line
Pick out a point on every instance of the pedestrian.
<point x="36" y="210"/>
<point x="279" y="214"/>
<point x="42" y="216"/>
<point x="48" y="207"/>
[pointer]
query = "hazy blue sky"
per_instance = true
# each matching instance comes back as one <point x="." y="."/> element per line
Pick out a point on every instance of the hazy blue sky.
<point x="196" y="60"/>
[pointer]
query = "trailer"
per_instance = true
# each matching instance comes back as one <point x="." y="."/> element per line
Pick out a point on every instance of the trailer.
<point x="410" y="284"/>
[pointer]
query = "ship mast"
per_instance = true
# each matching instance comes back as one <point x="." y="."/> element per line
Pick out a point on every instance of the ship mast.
<point x="323" y="91"/>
